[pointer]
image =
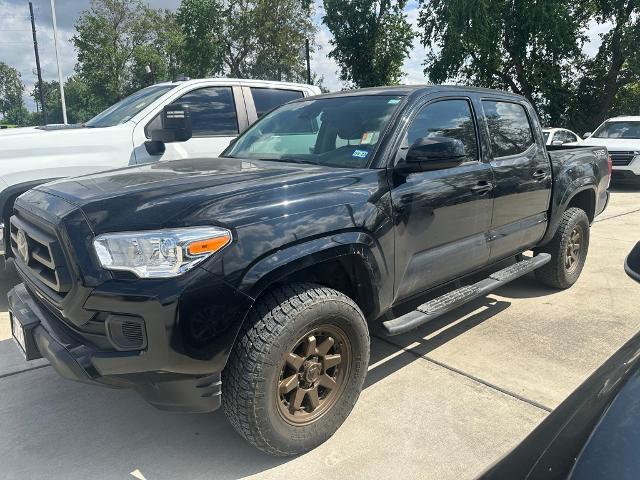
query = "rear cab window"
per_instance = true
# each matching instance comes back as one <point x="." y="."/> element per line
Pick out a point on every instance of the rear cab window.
<point x="510" y="131"/>
<point x="266" y="99"/>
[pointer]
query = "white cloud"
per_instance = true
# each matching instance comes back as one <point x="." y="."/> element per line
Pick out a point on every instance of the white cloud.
<point x="16" y="44"/>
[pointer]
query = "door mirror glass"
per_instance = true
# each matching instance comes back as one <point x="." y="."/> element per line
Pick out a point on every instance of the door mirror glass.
<point x="586" y="135"/>
<point x="632" y="263"/>
<point x="434" y="153"/>
<point x="176" y="125"/>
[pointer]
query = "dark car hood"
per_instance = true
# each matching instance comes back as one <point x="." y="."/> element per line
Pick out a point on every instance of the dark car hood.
<point x="166" y="194"/>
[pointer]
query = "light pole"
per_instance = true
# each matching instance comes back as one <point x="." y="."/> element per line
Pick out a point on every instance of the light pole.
<point x="60" y="80"/>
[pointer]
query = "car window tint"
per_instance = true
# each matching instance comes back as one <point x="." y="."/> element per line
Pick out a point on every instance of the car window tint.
<point x="570" y="137"/>
<point x="213" y="111"/>
<point x="509" y="129"/>
<point x="266" y="99"/>
<point x="447" y="118"/>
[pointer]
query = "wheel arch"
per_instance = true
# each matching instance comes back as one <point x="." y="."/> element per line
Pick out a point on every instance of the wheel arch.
<point x="580" y="194"/>
<point x="345" y="262"/>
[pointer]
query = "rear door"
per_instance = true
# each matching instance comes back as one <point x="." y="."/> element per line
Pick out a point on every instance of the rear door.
<point x="522" y="173"/>
<point x="442" y="217"/>
<point x="261" y="100"/>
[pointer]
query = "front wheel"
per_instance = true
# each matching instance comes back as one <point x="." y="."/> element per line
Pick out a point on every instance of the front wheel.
<point x="568" y="250"/>
<point x="297" y="368"/>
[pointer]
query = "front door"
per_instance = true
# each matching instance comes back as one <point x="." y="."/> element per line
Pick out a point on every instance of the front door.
<point x="442" y="217"/>
<point x="217" y="116"/>
<point x="522" y="174"/>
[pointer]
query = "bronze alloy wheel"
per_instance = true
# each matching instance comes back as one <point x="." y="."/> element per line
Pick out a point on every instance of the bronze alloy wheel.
<point x="313" y="375"/>
<point x="573" y="251"/>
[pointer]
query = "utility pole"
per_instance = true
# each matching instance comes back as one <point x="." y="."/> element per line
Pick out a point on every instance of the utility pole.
<point x="60" y="80"/>
<point x="35" y="47"/>
<point x="308" y="56"/>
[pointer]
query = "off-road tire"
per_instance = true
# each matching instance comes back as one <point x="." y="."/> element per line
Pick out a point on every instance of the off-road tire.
<point x="250" y="380"/>
<point x="555" y="273"/>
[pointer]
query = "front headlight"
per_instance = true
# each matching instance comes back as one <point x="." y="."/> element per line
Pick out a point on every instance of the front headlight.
<point x="160" y="253"/>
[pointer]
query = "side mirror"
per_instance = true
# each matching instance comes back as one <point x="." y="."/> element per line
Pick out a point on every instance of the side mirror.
<point x="434" y="153"/>
<point x="557" y="143"/>
<point x="632" y="263"/>
<point x="586" y="135"/>
<point x="176" y="127"/>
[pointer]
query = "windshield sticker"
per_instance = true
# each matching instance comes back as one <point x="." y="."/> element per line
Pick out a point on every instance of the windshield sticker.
<point x="393" y="101"/>
<point x="360" y="153"/>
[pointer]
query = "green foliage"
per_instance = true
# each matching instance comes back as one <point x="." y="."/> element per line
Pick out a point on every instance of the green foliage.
<point x="528" y="47"/>
<point x="116" y="40"/>
<point x="614" y="70"/>
<point x="201" y="24"/>
<point x="245" y="38"/>
<point x="12" y="107"/>
<point x="371" y="40"/>
<point x="77" y="98"/>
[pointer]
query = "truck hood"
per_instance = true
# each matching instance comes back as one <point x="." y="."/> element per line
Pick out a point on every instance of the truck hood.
<point x="200" y="191"/>
<point x="614" y="144"/>
<point x="36" y="148"/>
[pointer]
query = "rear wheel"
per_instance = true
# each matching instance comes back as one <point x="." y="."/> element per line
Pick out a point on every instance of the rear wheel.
<point x="568" y="250"/>
<point x="297" y="368"/>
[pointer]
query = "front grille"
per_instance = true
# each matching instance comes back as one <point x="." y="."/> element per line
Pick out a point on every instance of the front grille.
<point x="620" y="159"/>
<point x="39" y="251"/>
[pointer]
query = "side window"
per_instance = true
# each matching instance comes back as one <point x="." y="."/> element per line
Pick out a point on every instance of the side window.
<point x="446" y="118"/>
<point x="509" y="129"/>
<point x="213" y="112"/>
<point x="266" y="99"/>
<point x="569" y="137"/>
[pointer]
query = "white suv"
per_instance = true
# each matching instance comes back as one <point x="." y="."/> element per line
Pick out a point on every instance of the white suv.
<point x="621" y="136"/>
<point x="220" y="108"/>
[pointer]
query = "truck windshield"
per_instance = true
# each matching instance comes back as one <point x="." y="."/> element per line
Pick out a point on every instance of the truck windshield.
<point x="618" y="130"/>
<point x="127" y="108"/>
<point x="337" y="132"/>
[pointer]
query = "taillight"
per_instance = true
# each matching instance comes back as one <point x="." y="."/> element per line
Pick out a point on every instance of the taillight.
<point x="609" y="168"/>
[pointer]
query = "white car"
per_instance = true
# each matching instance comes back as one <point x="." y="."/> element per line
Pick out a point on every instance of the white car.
<point x="559" y="136"/>
<point x="621" y="136"/>
<point x="220" y="109"/>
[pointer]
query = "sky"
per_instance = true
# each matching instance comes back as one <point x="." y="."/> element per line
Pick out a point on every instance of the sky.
<point x="16" y="44"/>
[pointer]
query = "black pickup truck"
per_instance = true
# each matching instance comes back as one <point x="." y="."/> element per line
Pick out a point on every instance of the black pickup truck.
<point x="247" y="281"/>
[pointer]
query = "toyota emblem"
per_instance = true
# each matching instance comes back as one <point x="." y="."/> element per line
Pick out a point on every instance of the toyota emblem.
<point x="23" y="246"/>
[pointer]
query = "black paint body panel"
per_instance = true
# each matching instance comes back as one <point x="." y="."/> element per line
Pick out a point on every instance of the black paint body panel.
<point x="398" y="235"/>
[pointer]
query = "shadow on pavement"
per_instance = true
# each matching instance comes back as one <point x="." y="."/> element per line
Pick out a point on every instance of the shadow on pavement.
<point x="427" y="338"/>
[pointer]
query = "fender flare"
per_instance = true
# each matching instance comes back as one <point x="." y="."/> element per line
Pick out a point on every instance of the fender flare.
<point x="294" y="258"/>
<point x="574" y="188"/>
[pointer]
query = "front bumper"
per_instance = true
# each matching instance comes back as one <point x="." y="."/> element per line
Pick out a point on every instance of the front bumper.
<point x="75" y="359"/>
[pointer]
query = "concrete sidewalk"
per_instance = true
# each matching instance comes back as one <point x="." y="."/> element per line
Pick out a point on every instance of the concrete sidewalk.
<point x="443" y="402"/>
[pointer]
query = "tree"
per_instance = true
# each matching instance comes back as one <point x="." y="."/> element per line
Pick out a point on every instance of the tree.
<point x="246" y="38"/>
<point x="530" y="48"/>
<point x="78" y="101"/>
<point x="12" y="107"/>
<point x="615" y="67"/>
<point x="116" y="40"/>
<point x="201" y="22"/>
<point x="371" y="40"/>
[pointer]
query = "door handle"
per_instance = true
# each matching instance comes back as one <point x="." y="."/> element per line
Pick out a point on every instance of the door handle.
<point x="482" y="187"/>
<point x="540" y="175"/>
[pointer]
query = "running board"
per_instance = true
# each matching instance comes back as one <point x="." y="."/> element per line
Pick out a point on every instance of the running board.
<point x="449" y="301"/>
